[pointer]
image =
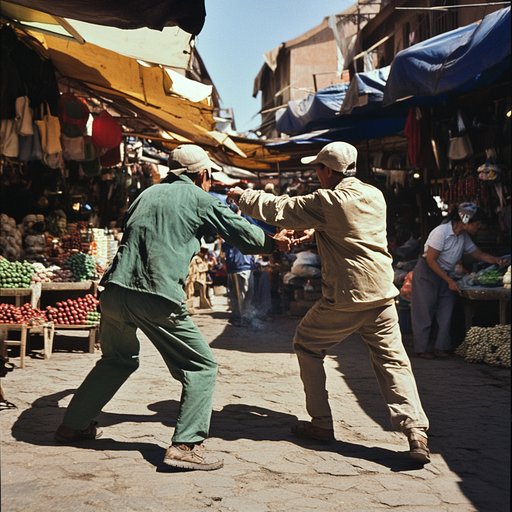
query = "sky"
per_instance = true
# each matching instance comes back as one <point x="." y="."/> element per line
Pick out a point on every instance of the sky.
<point x="237" y="33"/>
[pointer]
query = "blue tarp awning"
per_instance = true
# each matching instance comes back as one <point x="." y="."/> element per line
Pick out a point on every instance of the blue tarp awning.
<point x="354" y="129"/>
<point x="365" y="92"/>
<point x="321" y="111"/>
<point x="317" y="112"/>
<point x="451" y="60"/>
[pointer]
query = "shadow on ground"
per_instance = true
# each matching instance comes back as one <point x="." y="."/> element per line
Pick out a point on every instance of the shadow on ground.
<point x="36" y="426"/>
<point x="468" y="405"/>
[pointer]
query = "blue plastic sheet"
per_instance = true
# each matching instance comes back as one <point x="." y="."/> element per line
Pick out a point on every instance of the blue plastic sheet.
<point x="452" y="60"/>
<point x="318" y="111"/>
<point x="365" y="92"/>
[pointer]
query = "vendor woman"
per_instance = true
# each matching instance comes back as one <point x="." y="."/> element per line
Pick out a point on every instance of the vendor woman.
<point x="433" y="290"/>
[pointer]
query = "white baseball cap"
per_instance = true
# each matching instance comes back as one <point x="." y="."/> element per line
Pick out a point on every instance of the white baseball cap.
<point x="467" y="211"/>
<point x="338" y="156"/>
<point x="190" y="158"/>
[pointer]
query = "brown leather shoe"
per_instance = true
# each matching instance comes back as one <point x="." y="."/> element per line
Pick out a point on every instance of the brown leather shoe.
<point x="191" y="457"/>
<point x="68" y="435"/>
<point x="309" y="431"/>
<point x="418" y="448"/>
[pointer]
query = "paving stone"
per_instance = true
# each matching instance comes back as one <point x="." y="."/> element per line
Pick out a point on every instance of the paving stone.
<point x="258" y="456"/>
<point x="214" y="480"/>
<point x="243" y="505"/>
<point x="272" y="495"/>
<point x="403" y="498"/>
<point x="68" y="487"/>
<point x="60" y="506"/>
<point x="336" y="468"/>
<point x="287" y="467"/>
<point x="310" y="504"/>
<point x="12" y="490"/>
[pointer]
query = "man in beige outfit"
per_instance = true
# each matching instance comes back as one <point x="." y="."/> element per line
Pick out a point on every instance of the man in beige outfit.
<point x="349" y="218"/>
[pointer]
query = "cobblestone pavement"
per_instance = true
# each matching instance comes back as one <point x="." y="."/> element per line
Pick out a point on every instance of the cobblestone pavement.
<point x="258" y="397"/>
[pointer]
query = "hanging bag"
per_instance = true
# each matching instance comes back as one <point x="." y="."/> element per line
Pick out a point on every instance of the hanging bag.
<point x="73" y="148"/>
<point x="73" y="115"/>
<point x="460" y="148"/>
<point x="49" y="129"/>
<point x="30" y="146"/>
<point x="23" y="117"/>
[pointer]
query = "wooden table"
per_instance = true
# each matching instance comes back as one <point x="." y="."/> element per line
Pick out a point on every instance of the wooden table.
<point x="47" y="329"/>
<point x="472" y="295"/>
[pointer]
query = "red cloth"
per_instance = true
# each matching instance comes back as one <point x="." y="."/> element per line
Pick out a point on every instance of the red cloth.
<point x="418" y="132"/>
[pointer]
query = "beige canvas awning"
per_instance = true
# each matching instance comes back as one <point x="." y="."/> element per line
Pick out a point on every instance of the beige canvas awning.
<point x="146" y="90"/>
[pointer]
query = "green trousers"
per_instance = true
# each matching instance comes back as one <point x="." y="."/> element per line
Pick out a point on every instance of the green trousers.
<point x="176" y="337"/>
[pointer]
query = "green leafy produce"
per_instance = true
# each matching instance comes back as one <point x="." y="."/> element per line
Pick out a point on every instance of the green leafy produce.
<point x="489" y="277"/>
<point x="15" y="274"/>
<point x="82" y="265"/>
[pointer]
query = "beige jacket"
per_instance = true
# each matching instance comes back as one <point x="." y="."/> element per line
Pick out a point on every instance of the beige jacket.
<point x="350" y="224"/>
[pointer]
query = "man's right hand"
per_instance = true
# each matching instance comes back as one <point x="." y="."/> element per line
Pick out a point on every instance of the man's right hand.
<point x="283" y="240"/>
<point x="454" y="287"/>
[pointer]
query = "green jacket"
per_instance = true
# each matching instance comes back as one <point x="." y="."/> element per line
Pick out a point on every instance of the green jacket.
<point x="163" y="230"/>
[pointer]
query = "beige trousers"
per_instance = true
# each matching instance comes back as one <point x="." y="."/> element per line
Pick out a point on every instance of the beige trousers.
<point x="324" y="327"/>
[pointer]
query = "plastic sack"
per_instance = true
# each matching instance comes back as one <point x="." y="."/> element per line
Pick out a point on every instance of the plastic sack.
<point x="406" y="289"/>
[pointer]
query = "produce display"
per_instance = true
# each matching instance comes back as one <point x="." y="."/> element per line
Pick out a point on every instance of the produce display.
<point x="93" y="318"/>
<point x="44" y="274"/>
<point x="26" y="314"/>
<point x="489" y="277"/>
<point x="72" y="242"/>
<point x="507" y="278"/>
<point x="73" y="312"/>
<point x="82" y="265"/>
<point x="489" y="345"/>
<point x="15" y="274"/>
<point x="10" y="238"/>
<point x="63" y="276"/>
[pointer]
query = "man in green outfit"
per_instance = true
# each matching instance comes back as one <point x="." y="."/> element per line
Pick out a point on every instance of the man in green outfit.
<point x="144" y="289"/>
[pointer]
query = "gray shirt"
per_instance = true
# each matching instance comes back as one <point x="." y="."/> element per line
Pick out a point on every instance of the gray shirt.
<point x="450" y="245"/>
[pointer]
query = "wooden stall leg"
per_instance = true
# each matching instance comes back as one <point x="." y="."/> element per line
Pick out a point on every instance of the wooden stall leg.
<point x="92" y="339"/>
<point x="469" y="311"/>
<point x="503" y="311"/>
<point x="48" y="332"/>
<point x="23" y="345"/>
